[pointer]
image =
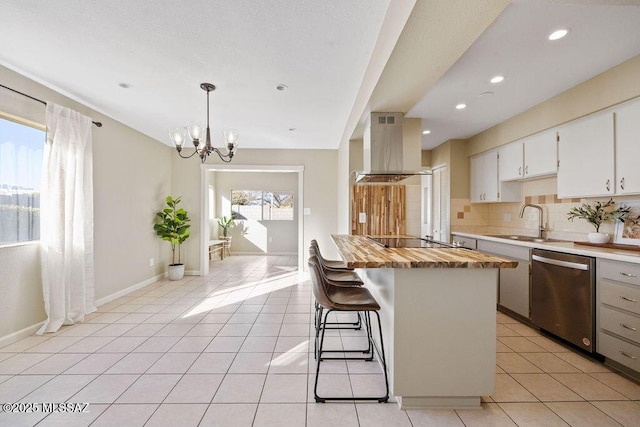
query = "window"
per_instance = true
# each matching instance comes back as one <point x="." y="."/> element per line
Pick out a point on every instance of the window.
<point x="20" y="170"/>
<point x="262" y="205"/>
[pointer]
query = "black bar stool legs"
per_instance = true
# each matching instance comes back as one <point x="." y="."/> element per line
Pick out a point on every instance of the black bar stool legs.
<point x="319" y="351"/>
<point x="332" y="297"/>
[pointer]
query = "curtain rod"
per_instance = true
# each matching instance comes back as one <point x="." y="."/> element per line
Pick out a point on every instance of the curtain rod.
<point x="98" y="124"/>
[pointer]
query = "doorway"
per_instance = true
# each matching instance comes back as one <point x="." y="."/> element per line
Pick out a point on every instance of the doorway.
<point x="207" y="204"/>
<point x="440" y="221"/>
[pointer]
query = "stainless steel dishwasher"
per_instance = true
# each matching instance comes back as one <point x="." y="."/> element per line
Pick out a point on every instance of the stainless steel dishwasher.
<point x="563" y="296"/>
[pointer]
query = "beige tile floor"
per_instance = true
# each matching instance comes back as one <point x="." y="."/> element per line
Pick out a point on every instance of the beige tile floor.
<point x="234" y="349"/>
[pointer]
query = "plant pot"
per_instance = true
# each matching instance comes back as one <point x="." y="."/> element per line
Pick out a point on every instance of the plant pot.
<point x="598" y="237"/>
<point x="176" y="271"/>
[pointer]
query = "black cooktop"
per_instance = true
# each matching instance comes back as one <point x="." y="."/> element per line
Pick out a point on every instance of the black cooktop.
<point x="408" y="242"/>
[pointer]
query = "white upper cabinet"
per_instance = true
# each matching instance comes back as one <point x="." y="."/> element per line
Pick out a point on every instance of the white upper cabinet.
<point x="541" y="154"/>
<point x="585" y="153"/>
<point x="484" y="181"/>
<point x="530" y="157"/>
<point x="510" y="161"/>
<point x="484" y="177"/>
<point x="627" y="153"/>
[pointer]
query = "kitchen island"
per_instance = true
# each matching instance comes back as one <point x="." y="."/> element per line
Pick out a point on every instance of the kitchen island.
<point x="438" y="311"/>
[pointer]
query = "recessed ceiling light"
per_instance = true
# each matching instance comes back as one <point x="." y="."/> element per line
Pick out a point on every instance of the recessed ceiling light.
<point x="485" y="94"/>
<point x="426" y="132"/>
<point x="558" y="34"/>
<point x="281" y="87"/>
<point x="124" y="85"/>
<point x="461" y="106"/>
<point x="497" y="79"/>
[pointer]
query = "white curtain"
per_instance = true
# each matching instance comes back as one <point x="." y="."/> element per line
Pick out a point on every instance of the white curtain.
<point x="66" y="212"/>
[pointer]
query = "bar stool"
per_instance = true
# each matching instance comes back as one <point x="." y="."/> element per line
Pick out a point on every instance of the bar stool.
<point x="345" y="277"/>
<point x="329" y="264"/>
<point x="339" y="298"/>
<point x="337" y="277"/>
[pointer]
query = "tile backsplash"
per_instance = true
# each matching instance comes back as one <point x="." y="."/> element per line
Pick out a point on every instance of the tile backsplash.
<point x="504" y="218"/>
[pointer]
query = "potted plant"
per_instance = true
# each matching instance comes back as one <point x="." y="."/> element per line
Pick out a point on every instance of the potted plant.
<point x="226" y="224"/>
<point x="172" y="225"/>
<point x="597" y="215"/>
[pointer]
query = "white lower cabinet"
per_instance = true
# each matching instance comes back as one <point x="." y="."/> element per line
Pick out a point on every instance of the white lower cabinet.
<point x="618" y="312"/>
<point x="513" y="285"/>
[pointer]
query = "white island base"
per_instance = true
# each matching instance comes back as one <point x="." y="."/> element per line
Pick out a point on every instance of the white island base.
<point x="439" y="328"/>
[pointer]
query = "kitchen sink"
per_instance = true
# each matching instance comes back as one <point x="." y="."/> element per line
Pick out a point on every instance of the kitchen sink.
<point x="524" y="238"/>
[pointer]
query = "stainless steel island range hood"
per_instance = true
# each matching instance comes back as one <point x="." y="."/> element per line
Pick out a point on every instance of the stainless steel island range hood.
<point x="387" y="158"/>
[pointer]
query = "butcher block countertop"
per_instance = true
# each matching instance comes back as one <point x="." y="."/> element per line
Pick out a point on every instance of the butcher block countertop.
<point x="360" y="252"/>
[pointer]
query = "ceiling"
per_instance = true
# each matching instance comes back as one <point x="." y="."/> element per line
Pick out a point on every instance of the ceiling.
<point x="340" y="60"/>
<point x="535" y="69"/>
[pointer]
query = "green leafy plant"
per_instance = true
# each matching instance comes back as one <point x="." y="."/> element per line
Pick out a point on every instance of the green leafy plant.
<point x="599" y="214"/>
<point x="226" y="223"/>
<point x="172" y="225"/>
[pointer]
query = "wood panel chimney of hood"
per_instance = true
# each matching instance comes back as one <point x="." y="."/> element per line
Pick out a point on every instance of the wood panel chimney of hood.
<point x="387" y="157"/>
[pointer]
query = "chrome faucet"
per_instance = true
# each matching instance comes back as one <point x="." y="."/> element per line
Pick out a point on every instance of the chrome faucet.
<point x="540" y="217"/>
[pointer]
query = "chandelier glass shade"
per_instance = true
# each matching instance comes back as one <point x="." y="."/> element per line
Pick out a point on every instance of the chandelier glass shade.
<point x="201" y="137"/>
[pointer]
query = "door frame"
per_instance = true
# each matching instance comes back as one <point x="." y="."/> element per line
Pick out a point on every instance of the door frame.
<point x="205" y="180"/>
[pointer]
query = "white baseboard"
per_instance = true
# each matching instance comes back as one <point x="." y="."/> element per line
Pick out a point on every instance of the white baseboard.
<point x="128" y="290"/>
<point x="30" y="330"/>
<point x="192" y="272"/>
<point x="18" y="335"/>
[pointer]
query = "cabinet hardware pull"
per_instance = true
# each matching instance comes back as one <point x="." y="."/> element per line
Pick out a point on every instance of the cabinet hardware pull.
<point x="628" y="299"/>
<point x="628" y="327"/>
<point x="526" y="170"/>
<point x="561" y="263"/>
<point x="627" y="355"/>
<point x="608" y="185"/>
<point x="628" y="274"/>
<point x="622" y="183"/>
<point x="520" y="171"/>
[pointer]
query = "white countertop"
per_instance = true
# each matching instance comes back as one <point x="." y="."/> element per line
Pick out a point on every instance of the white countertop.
<point x="567" y="247"/>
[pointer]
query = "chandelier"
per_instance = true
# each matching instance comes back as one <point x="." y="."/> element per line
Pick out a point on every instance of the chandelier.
<point x="204" y="148"/>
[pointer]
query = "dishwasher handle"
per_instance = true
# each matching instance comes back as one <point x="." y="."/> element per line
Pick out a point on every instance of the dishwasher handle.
<point x="560" y="263"/>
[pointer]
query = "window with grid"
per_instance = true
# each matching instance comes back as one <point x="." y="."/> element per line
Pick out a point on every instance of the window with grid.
<point x="262" y="205"/>
<point x="21" y="149"/>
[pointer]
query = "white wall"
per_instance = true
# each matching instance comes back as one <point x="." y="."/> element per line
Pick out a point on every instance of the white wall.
<point x="343" y="190"/>
<point x="132" y="174"/>
<point x="250" y="236"/>
<point x="320" y="192"/>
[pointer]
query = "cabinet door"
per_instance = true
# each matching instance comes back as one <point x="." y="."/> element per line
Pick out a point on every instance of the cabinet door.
<point x="490" y="177"/>
<point x="475" y="186"/>
<point x="514" y="288"/>
<point x="510" y="162"/>
<point x="514" y="282"/>
<point x="541" y="154"/>
<point x="484" y="176"/>
<point x="585" y="151"/>
<point x="628" y="149"/>
<point x="484" y="184"/>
